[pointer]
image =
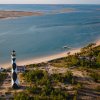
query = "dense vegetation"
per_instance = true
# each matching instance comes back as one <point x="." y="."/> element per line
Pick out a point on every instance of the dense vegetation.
<point x="44" y="86"/>
<point x="88" y="57"/>
<point x="2" y="76"/>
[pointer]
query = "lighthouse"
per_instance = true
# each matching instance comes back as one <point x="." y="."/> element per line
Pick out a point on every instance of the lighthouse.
<point x="14" y="80"/>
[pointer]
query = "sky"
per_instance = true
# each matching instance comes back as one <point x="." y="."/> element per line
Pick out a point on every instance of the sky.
<point x="49" y="1"/>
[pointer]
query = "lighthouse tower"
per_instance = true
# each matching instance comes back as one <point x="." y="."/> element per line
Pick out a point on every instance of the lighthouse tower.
<point x="15" y="82"/>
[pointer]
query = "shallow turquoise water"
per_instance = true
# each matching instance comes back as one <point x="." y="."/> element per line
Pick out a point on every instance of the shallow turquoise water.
<point x="37" y="36"/>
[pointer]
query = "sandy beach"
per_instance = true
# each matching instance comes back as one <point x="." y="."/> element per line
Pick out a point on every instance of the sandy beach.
<point x="97" y="42"/>
<point x="46" y="58"/>
<point x="52" y="57"/>
<point x="42" y="59"/>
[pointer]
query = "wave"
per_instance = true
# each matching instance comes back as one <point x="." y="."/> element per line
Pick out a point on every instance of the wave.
<point x="89" y="23"/>
<point x="4" y="33"/>
<point x="62" y="25"/>
<point x="39" y="27"/>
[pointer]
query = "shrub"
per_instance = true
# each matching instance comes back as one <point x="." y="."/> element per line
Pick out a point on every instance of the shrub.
<point x="78" y="86"/>
<point x="97" y="88"/>
<point x="2" y="76"/>
<point x="34" y="90"/>
<point x="21" y="96"/>
<point x="95" y="76"/>
<point x="34" y="75"/>
<point x="68" y="76"/>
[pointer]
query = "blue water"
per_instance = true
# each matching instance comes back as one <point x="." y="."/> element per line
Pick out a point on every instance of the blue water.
<point x="37" y="36"/>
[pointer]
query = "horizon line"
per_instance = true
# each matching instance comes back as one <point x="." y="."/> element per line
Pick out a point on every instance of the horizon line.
<point x="57" y="3"/>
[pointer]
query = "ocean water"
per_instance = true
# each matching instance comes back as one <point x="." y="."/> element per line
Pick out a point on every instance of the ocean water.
<point x="37" y="36"/>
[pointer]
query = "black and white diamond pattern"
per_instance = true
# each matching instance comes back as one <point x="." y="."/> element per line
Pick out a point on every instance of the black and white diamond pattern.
<point x="14" y="71"/>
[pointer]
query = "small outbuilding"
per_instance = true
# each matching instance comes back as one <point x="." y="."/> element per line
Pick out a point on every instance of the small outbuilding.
<point x="1" y="69"/>
<point x="20" y="69"/>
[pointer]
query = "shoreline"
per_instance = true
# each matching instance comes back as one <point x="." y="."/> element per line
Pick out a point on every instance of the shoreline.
<point x="43" y="59"/>
<point x="46" y="58"/>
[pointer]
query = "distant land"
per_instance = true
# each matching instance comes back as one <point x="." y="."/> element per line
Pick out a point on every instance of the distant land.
<point x="11" y="14"/>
